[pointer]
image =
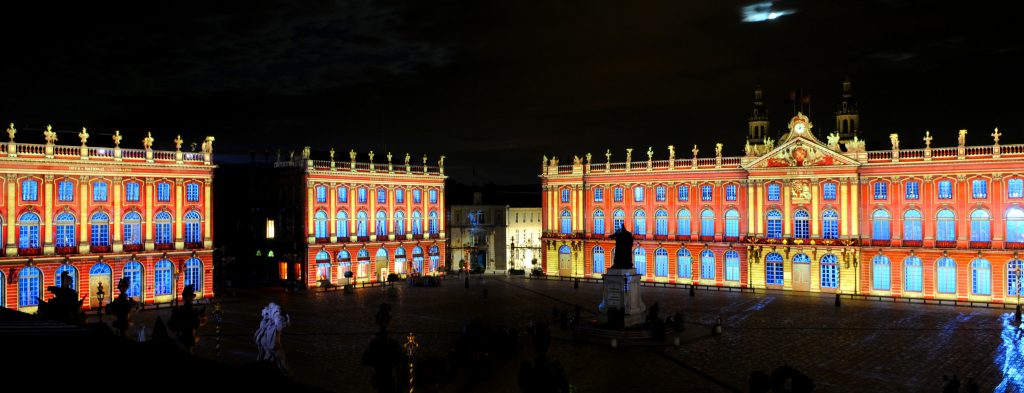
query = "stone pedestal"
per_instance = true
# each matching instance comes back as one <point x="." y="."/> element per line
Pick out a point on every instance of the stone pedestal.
<point x="622" y="291"/>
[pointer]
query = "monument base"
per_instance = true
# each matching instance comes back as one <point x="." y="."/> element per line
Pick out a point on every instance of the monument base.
<point x="621" y="299"/>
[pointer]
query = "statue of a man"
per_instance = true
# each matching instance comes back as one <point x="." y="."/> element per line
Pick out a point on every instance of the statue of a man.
<point x="894" y="138"/>
<point x="623" y="258"/>
<point x="84" y="135"/>
<point x="718" y="150"/>
<point x="51" y="136"/>
<point x="117" y="138"/>
<point x="147" y="142"/>
<point x="671" y="153"/>
<point x="962" y="139"/>
<point x="11" y="131"/>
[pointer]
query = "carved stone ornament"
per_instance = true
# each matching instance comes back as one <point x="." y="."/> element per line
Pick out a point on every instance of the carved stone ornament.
<point x="801" y="190"/>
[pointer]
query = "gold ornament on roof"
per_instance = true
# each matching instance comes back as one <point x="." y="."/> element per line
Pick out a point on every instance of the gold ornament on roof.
<point x="147" y="142"/>
<point x="50" y="136"/>
<point x="177" y="142"/>
<point x="11" y="131"/>
<point x="84" y="136"/>
<point x="117" y="138"/>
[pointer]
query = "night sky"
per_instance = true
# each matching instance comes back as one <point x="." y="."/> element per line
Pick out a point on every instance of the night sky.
<point x="494" y="85"/>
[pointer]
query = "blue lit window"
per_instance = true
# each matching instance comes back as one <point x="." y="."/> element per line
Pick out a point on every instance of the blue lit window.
<point x="732" y="266"/>
<point x="65" y="230"/>
<point x="707" y="223"/>
<point x="640" y="261"/>
<point x="946" y="271"/>
<point x="433" y="196"/>
<point x="980" y="226"/>
<point x="1015" y="225"/>
<point x="362" y="224"/>
<point x="618" y="219"/>
<point x="400" y="260"/>
<point x="131" y="192"/>
<point x="162" y="276"/>
<point x="193" y="225"/>
<point x="638" y="194"/>
<point x="399" y="223"/>
<point x="598" y="260"/>
<point x="361" y="195"/>
<point x="829" y="191"/>
<point x="684" y="263"/>
<point x="639" y="222"/>
<point x="912" y="227"/>
<point x="417" y="196"/>
<point x="99" y="191"/>
<point x="417" y="223"/>
<point x="163" y="228"/>
<point x="598" y="194"/>
<point x="132" y="228"/>
<point x="343" y="194"/>
<point x="801" y="224"/>
<point x="435" y="257"/>
<point x="432" y="224"/>
<point x="1013" y="278"/>
<point x="706" y="192"/>
<point x="912" y="280"/>
<point x="707" y="265"/>
<point x="598" y="222"/>
<point x="945" y="189"/>
<point x="163" y="192"/>
<point x="774" y="192"/>
<point x="382" y="195"/>
<point x="913" y="189"/>
<point x="881" y="190"/>
<point x="29" y="286"/>
<point x="732" y="223"/>
<point x="72" y="276"/>
<point x="773" y="269"/>
<point x="565" y="226"/>
<point x="100" y="224"/>
<point x="618" y="194"/>
<point x="880" y="273"/>
<point x="829" y="272"/>
<point x="830" y="224"/>
<point x="192" y="193"/>
<point x="661" y="223"/>
<point x="28" y="231"/>
<point x="684" y="193"/>
<point x="321" y="194"/>
<point x="565" y="195"/>
<point x="1015" y="188"/>
<point x="133" y="272"/>
<point x="880" y="225"/>
<point x="345" y="260"/>
<point x="66" y="191"/>
<point x="661" y="262"/>
<point x="381" y="226"/>
<point x="979" y="189"/>
<point x="981" y="277"/>
<point x="774" y="224"/>
<point x="342" y="224"/>
<point x="320" y="225"/>
<point x="730" y="192"/>
<point x="683" y="222"/>
<point x="660" y="194"/>
<point x="946" y="226"/>
<point x="29" y="190"/>
<point x="399" y="195"/>
<point x="194" y="274"/>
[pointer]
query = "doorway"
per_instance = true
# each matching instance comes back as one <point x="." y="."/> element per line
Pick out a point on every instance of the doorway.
<point x="801" y="276"/>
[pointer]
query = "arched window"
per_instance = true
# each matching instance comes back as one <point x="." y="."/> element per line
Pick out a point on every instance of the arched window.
<point x="639" y="222"/>
<point x="830" y="224"/>
<point x="829" y="272"/>
<point x="417" y="223"/>
<point x="194" y="275"/>
<point x="100" y="224"/>
<point x="382" y="223"/>
<point x="342" y="224"/>
<point x="598" y="222"/>
<point x="132" y="229"/>
<point x="194" y="231"/>
<point x="417" y="259"/>
<point x="732" y="266"/>
<point x="732" y="223"/>
<point x="661" y="222"/>
<point x="945" y="226"/>
<point x="912" y="225"/>
<point x="1014" y="277"/>
<point x="399" y="223"/>
<point x="880" y="224"/>
<point x="880" y="273"/>
<point x="661" y="262"/>
<point x="320" y="224"/>
<point x="773" y="270"/>
<point x="362" y="224"/>
<point x="133" y="272"/>
<point x="162" y="278"/>
<point x="618" y="219"/>
<point x="564" y="258"/>
<point x="344" y="263"/>
<point x="980" y="226"/>
<point x="912" y="278"/>
<point x="684" y="264"/>
<point x="640" y="261"/>
<point x="565" y="225"/>
<point x="400" y="260"/>
<point x="65" y="230"/>
<point x="435" y="258"/>
<point x="162" y="225"/>
<point x="433" y="224"/>
<point x="945" y="269"/>
<point x="801" y="224"/>
<point x="683" y="222"/>
<point x="72" y="279"/>
<point x="1015" y="225"/>
<point x="323" y="266"/>
<point x="30" y="288"/>
<point x="598" y="260"/>
<point x="774" y="224"/>
<point x="363" y="257"/>
<point x="707" y="223"/>
<point x="981" y="277"/>
<point x="707" y="265"/>
<point x="28" y="231"/>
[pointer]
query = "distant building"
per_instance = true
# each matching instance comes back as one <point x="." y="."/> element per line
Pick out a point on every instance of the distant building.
<point x="523" y="237"/>
<point x="102" y="214"/>
<point x="477" y="236"/>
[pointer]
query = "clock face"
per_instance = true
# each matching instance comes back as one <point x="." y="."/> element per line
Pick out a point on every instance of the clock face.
<point x="799" y="128"/>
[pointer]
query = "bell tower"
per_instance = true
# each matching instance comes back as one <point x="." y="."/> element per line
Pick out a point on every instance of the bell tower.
<point x="847" y="116"/>
<point x="757" y="124"/>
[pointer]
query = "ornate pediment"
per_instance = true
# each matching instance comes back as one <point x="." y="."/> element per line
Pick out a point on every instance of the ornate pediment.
<point x="801" y="151"/>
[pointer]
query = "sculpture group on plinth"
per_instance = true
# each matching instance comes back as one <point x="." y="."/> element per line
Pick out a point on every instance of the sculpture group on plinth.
<point x="268" y="336"/>
<point x="64" y="306"/>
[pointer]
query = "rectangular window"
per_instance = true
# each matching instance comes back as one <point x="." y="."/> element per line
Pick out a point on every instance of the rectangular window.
<point x="321" y="194"/>
<point x="29" y="190"/>
<point x="829" y="191"/>
<point x="659" y="193"/>
<point x="433" y="196"/>
<point x="706" y="193"/>
<point x="382" y="195"/>
<point x="131" y="192"/>
<point x="163" y="192"/>
<point x="343" y="194"/>
<point x="192" y="192"/>
<point x="598" y="194"/>
<point x="774" y="192"/>
<point x="99" y="192"/>
<point x="1015" y="188"/>
<point x="618" y="194"/>
<point x="881" y="191"/>
<point x="730" y="192"/>
<point x="66" y="191"/>
<point x="399" y="196"/>
<point x="979" y="189"/>
<point x="565" y="195"/>
<point x="362" y="195"/>
<point x="638" y="194"/>
<point x="684" y="194"/>
<point x="417" y="197"/>
<point x="945" y="189"/>
<point x="913" y="190"/>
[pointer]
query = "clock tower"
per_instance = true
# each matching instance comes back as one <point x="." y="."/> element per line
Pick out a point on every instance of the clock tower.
<point x="847" y="116"/>
<point x="757" y="124"/>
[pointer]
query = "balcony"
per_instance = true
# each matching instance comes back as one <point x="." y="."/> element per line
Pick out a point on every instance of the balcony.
<point x="193" y="245"/>
<point x="682" y="237"/>
<point x="64" y="250"/>
<point x="133" y="247"/>
<point x="639" y="237"/>
<point x="660" y="237"/>
<point x="912" y="243"/>
<point x="1015" y="245"/>
<point x="96" y="248"/>
<point x="974" y="244"/>
<point x="707" y="238"/>
<point x="323" y="240"/>
<point x="165" y="246"/>
<point x="945" y="243"/>
<point x="881" y="243"/>
<point x="367" y="238"/>
<point x="732" y="238"/>
<point x="30" y="251"/>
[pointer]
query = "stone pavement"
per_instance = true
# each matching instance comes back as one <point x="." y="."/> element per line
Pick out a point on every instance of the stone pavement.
<point x="861" y="346"/>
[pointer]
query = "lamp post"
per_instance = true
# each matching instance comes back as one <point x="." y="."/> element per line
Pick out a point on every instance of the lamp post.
<point x="99" y="297"/>
<point x="1018" y="271"/>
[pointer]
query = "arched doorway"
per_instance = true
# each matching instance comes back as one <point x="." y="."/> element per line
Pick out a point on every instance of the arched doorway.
<point x="100" y="274"/>
<point x="564" y="261"/>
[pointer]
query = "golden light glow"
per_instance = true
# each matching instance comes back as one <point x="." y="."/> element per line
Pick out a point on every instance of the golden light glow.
<point x="270" y="228"/>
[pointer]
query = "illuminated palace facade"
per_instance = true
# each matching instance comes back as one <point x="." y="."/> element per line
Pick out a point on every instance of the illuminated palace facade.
<point x="102" y="214"/>
<point x="800" y="214"/>
<point x="369" y="218"/>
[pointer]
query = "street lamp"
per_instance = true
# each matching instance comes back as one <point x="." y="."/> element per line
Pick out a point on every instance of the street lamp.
<point x="1018" y="271"/>
<point x="99" y="297"/>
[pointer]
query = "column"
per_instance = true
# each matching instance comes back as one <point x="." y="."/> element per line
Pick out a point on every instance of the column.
<point x="441" y="214"/>
<point x="12" y="221"/>
<point x="179" y="214"/>
<point x="332" y="215"/>
<point x="573" y="208"/>
<point x="116" y="214"/>
<point x="46" y="235"/>
<point x="352" y="189"/>
<point x="815" y="212"/>
<point x="310" y="210"/>
<point x="408" y="216"/>
<point x="372" y="225"/>
<point x="208" y="213"/>
<point x="787" y="212"/>
<point x="751" y="211"/>
<point x="928" y="211"/>
<point x="391" y="213"/>
<point x="998" y="220"/>
<point x="83" y="200"/>
<point x="845" y="216"/>
<point x="148" y="227"/>
<point x="759" y="219"/>
<point x="854" y="211"/>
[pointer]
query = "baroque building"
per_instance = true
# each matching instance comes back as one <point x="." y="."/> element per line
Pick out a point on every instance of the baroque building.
<point x="101" y="214"/>
<point x="477" y="235"/>
<point x="800" y="214"/>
